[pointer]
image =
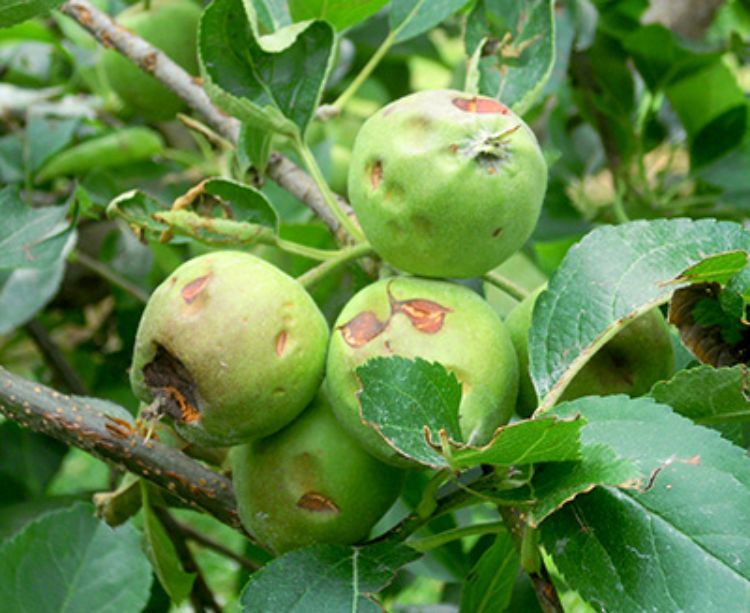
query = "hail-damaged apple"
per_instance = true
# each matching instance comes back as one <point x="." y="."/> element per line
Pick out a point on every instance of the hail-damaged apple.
<point x="311" y="483"/>
<point x="230" y="347"/>
<point x="446" y="184"/>
<point x="439" y="322"/>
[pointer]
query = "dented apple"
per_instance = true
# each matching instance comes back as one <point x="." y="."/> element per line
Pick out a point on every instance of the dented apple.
<point x="446" y="183"/>
<point x="230" y="347"/>
<point x="439" y="322"/>
<point x="311" y="483"/>
<point x="629" y="363"/>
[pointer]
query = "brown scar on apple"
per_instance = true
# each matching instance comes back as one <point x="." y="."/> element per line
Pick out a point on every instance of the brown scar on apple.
<point x="281" y="342"/>
<point x="172" y="387"/>
<point x="497" y="232"/>
<point x="480" y="105"/>
<point x="191" y="291"/>
<point x="318" y="503"/>
<point x="376" y="174"/>
<point x="362" y="329"/>
<point x="425" y="315"/>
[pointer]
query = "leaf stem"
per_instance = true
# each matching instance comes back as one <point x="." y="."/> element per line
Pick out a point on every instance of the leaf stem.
<point x="366" y="71"/>
<point x="328" y="196"/>
<point x="314" y="275"/>
<point x="322" y="255"/>
<point x="436" y="540"/>
<point x="507" y="285"/>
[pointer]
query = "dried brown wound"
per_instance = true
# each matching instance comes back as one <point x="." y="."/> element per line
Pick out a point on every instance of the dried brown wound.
<point x="192" y="290"/>
<point x="362" y="329"/>
<point x="478" y="104"/>
<point x="171" y="383"/>
<point x="425" y="315"/>
<point x="376" y="174"/>
<point x="318" y="503"/>
<point x="705" y="342"/>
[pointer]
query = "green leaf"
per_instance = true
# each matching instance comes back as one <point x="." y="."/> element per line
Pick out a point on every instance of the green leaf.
<point x="46" y="136"/>
<point x="16" y="11"/>
<point x="247" y="203"/>
<point x="410" y="18"/>
<point x="163" y="555"/>
<point x="514" y="46"/>
<point x="623" y="271"/>
<point x="556" y="484"/>
<point x="29" y="237"/>
<point x="138" y="209"/>
<point x="25" y="291"/>
<point x="735" y="296"/>
<point x="28" y="462"/>
<point x="489" y="585"/>
<point x="254" y="148"/>
<point x="713" y="397"/>
<point x="678" y="541"/>
<point x="407" y="401"/>
<point x="526" y="442"/>
<point x="120" y="148"/>
<point x="70" y="561"/>
<point x="719" y="136"/>
<point x="325" y="578"/>
<point x="272" y="91"/>
<point x="717" y="269"/>
<point x="341" y="14"/>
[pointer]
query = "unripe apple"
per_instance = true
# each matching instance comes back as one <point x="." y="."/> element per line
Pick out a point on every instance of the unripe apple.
<point x="439" y="322"/>
<point x="446" y="183"/>
<point x="172" y="27"/>
<point x="629" y="363"/>
<point x="231" y="347"/>
<point x="311" y="483"/>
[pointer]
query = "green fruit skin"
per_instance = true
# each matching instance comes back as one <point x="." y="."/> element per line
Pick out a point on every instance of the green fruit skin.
<point x="472" y="343"/>
<point x="311" y="483"/>
<point x="429" y="196"/>
<point x="630" y="363"/>
<point x="170" y="25"/>
<point x="252" y="339"/>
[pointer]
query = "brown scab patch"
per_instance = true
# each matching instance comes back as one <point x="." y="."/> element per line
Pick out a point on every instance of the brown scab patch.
<point x="497" y="232"/>
<point x="281" y="342"/>
<point x="362" y="329"/>
<point x="376" y="174"/>
<point x="480" y="105"/>
<point x="318" y="503"/>
<point x="193" y="289"/>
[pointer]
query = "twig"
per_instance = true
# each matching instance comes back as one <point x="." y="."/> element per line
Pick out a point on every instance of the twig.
<point x="201" y="596"/>
<point x="112" y="436"/>
<point x="54" y="357"/>
<point x="150" y="59"/>
<point x="193" y="535"/>
<point x="110" y="275"/>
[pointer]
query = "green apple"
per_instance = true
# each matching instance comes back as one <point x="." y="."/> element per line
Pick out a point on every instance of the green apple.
<point x="446" y="183"/>
<point x="170" y="25"/>
<point x="311" y="483"/>
<point x="231" y="347"/>
<point x="630" y="363"/>
<point x="439" y="322"/>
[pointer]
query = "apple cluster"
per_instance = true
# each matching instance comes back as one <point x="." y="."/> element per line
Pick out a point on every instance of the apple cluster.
<point x="445" y="184"/>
